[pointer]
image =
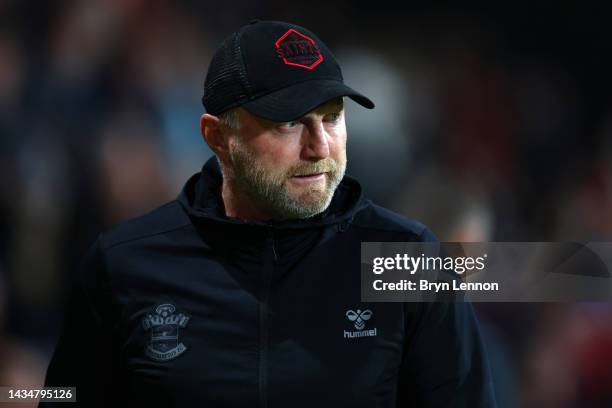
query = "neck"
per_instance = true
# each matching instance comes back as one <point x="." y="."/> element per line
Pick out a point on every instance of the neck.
<point x="241" y="206"/>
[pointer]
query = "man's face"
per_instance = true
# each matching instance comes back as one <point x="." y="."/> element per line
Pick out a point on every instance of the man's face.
<point x="290" y="170"/>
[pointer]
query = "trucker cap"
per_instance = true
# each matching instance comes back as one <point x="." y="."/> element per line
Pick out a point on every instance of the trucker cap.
<point x="275" y="70"/>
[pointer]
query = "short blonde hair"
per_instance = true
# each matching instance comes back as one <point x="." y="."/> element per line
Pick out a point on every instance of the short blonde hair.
<point x="229" y="119"/>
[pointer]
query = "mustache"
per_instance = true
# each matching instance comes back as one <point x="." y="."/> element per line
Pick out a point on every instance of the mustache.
<point x="323" y="166"/>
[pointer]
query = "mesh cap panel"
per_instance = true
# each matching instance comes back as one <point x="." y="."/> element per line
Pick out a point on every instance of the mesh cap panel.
<point x="226" y="84"/>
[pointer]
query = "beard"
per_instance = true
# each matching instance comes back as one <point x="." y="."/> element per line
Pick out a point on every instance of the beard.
<point x="269" y="189"/>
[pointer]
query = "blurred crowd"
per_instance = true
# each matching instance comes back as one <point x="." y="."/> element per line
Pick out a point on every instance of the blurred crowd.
<point x="491" y="125"/>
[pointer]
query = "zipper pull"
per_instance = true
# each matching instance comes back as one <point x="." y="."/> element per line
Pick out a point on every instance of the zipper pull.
<point x="271" y="240"/>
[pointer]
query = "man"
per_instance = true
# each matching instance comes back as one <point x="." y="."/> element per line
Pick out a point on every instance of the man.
<point x="238" y="294"/>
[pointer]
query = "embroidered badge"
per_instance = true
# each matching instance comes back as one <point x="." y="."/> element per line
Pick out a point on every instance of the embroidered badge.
<point x="298" y="50"/>
<point x="164" y="325"/>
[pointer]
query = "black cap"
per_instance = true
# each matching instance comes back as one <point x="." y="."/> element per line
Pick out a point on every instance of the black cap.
<point x="275" y="70"/>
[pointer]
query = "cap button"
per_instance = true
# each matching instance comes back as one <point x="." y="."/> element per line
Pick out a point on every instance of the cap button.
<point x="254" y="21"/>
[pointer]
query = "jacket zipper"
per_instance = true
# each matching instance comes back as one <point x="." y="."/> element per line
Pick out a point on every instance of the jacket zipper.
<point x="269" y="260"/>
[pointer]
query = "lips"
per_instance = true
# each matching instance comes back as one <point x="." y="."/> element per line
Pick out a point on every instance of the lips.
<point x="309" y="177"/>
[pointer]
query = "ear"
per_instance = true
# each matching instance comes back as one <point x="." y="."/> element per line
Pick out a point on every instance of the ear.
<point x="213" y="134"/>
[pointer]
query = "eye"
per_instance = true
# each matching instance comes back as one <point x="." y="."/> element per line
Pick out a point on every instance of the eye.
<point x="333" y="117"/>
<point x="289" y="125"/>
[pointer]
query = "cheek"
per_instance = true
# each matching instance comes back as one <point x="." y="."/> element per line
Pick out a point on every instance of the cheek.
<point x="276" y="158"/>
<point x="338" y="147"/>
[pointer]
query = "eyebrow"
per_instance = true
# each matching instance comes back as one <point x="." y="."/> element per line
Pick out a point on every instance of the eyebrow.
<point x="330" y="106"/>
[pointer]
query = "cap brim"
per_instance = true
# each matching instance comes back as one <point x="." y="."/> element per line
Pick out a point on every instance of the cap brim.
<point x="295" y="101"/>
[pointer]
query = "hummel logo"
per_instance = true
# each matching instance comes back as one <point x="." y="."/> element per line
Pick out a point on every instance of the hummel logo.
<point x="359" y="317"/>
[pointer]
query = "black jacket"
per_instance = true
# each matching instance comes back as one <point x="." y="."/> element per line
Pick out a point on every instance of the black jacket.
<point x="187" y="307"/>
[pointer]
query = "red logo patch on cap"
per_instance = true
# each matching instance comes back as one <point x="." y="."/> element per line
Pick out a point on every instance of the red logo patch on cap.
<point x="298" y="50"/>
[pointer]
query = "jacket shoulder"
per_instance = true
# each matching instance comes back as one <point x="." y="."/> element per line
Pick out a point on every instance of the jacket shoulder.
<point x="165" y="218"/>
<point x="376" y="217"/>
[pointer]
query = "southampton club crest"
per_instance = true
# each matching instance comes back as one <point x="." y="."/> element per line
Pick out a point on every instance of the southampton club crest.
<point x="164" y="325"/>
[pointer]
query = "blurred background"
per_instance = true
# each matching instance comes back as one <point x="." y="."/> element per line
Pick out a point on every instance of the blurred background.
<point x="493" y="123"/>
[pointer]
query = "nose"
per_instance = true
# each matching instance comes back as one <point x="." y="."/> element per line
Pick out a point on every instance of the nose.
<point x="316" y="144"/>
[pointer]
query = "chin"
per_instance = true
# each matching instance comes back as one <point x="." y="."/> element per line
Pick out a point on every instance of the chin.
<point x="317" y="199"/>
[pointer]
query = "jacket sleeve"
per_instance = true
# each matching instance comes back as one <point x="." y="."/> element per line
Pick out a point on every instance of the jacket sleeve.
<point x="444" y="362"/>
<point x="85" y="356"/>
